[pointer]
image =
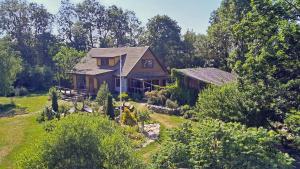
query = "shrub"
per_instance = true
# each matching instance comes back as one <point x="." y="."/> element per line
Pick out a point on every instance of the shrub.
<point x="215" y="144"/>
<point x="124" y="96"/>
<point x="20" y="91"/>
<point x="54" y="97"/>
<point x="102" y="94"/>
<point x="46" y="114"/>
<point x="108" y="108"/>
<point x="143" y="115"/>
<point x="182" y="94"/>
<point x="63" y="109"/>
<point x="80" y="141"/>
<point x="128" y="117"/>
<point x="156" y="97"/>
<point x="226" y="103"/>
<point x="171" y="104"/>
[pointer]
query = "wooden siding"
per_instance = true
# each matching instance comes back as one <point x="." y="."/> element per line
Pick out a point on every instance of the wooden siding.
<point x="155" y="70"/>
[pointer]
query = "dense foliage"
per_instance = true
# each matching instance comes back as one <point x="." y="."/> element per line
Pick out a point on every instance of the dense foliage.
<point x="65" y="60"/>
<point x="268" y="63"/>
<point x="228" y="104"/>
<point x="215" y="144"/>
<point x="10" y="65"/>
<point x="80" y="141"/>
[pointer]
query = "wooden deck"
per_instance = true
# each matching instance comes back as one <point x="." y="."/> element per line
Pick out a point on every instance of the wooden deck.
<point x="71" y="94"/>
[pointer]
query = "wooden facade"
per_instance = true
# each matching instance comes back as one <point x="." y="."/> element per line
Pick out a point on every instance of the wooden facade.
<point x="146" y="72"/>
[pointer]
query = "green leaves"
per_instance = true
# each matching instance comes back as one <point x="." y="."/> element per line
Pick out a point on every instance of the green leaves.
<point x="65" y="60"/>
<point x="10" y="66"/>
<point x="215" y="144"/>
<point x="80" y="141"/>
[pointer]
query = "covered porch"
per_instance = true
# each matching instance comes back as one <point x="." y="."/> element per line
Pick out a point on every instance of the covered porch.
<point x="145" y="84"/>
<point x="88" y="83"/>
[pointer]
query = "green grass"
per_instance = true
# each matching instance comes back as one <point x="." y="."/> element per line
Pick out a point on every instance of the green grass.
<point x="18" y="132"/>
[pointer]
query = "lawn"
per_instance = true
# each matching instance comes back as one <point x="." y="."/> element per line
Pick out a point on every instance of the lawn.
<point x="17" y="132"/>
<point x="21" y="131"/>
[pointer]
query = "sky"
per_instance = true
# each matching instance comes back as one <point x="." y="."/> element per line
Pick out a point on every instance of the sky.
<point x="190" y="14"/>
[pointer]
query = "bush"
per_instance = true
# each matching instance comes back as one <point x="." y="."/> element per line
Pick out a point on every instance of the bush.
<point x="108" y="108"/>
<point x="156" y="97"/>
<point x="80" y="141"/>
<point x="20" y="91"/>
<point x="128" y="117"/>
<point x="46" y="114"/>
<point x="226" y="103"/>
<point x="102" y="94"/>
<point x="124" y="96"/>
<point x="54" y="98"/>
<point x="143" y="115"/>
<point x="215" y="144"/>
<point x="63" y="109"/>
<point x="171" y="104"/>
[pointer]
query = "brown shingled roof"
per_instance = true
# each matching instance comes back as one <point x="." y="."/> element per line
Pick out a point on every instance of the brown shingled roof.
<point x="88" y="64"/>
<point x="209" y="75"/>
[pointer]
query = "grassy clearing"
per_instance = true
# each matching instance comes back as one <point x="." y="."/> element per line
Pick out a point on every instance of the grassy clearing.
<point x="18" y="132"/>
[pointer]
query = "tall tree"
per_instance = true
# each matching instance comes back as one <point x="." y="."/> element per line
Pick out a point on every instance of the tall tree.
<point x="122" y="25"/>
<point x="163" y="35"/>
<point x="65" y="60"/>
<point x="269" y="64"/>
<point x="220" y="32"/>
<point x="80" y="38"/>
<point x="10" y="65"/>
<point x="87" y="12"/>
<point x="66" y="18"/>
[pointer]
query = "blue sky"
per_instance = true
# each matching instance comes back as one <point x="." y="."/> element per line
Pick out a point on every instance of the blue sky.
<point x="190" y="14"/>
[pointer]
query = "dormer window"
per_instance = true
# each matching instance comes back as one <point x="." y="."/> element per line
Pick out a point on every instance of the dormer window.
<point x="104" y="61"/>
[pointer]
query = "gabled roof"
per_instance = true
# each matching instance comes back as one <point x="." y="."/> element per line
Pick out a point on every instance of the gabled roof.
<point x="131" y="55"/>
<point x="209" y="75"/>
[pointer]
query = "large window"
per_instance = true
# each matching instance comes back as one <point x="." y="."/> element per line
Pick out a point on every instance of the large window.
<point x="147" y="63"/>
<point x="104" y="61"/>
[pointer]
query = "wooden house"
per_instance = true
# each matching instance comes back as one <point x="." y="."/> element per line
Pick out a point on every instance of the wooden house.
<point x="140" y="70"/>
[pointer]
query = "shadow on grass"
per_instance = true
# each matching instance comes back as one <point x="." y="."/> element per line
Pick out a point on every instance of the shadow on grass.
<point x="9" y="110"/>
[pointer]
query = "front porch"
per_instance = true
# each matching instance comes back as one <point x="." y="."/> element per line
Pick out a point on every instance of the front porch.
<point x="142" y="85"/>
<point x="132" y="84"/>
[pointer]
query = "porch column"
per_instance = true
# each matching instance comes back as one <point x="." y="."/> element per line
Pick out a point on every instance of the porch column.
<point x="87" y="83"/>
<point x="74" y="81"/>
<point x="95" y="84"/>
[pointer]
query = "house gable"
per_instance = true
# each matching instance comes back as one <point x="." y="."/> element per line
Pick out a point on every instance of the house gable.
<point x="156" y="68"/>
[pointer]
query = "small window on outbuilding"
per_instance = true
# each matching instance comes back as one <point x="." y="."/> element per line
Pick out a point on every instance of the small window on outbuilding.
<point x="147" y="63"/>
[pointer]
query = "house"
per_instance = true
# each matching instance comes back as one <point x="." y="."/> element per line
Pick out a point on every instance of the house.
<point x="140" y="70"/>
<point x="198" y="78"/>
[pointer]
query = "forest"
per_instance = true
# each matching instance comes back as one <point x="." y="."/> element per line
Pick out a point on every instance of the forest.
<point x="252" y="123"/>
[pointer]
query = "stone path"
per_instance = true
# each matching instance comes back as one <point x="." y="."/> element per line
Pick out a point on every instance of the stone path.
<point x="152" y="133"/>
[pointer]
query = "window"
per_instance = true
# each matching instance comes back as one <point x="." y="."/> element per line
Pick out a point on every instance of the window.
<point x="104" y="61"/>
<point x="117" y="82"/>
<point x="147" y="63"/>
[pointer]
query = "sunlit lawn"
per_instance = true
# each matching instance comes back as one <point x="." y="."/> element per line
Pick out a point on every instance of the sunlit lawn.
<point x="17" y="132"/>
